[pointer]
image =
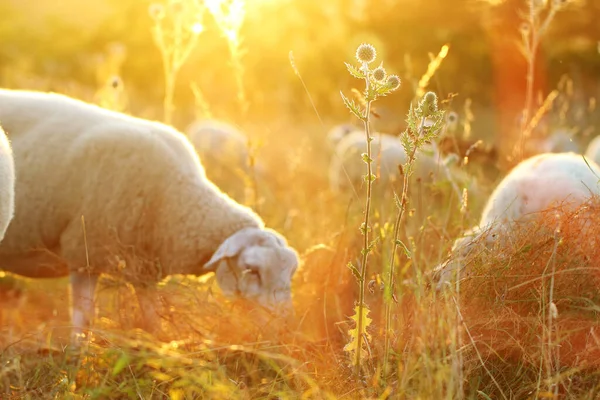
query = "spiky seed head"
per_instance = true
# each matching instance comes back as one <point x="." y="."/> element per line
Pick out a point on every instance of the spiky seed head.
<point x="156" y="11"/>
<point x="428" y="104"/>
<point x="393" y="82"/>
<point x="366" y="53"/>
<point x="379" y="74"/>
<point x="431" y="99"/>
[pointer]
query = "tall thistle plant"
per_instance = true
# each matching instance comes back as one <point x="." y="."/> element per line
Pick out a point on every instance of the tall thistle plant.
<point x="424" y="123"/>
<point x="377" y="84"/>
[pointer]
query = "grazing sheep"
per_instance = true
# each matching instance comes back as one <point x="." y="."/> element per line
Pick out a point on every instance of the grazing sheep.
<point x="149" y="209"/>
<point x="593" y="150"/>
<point x="347" y="170"/>
<point x="219" y="143"/>
<point x="7" y="184"/>
<point x="559" y="141"/>
<point x="532" y="186"/>
<point x="338" y="132"/>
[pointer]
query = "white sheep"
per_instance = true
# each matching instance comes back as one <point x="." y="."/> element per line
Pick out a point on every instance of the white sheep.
<point x="102" y="192"/>
<point x="346" y="169"/>
<point x="534" y="185"/>
<point x="7" y="184"/>
<point x="220" y="144"/>
<point x="592" y="151"/>
<point x="559" y="141"/>
<point x="337" y="133"/>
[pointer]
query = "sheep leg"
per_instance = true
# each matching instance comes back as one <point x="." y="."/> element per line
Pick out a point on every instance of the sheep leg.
<point x="83" y="288"/>
<point x="149" y="302"/>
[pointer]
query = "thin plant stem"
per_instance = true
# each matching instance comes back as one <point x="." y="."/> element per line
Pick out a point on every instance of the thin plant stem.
<point x="536" y="36"/>
<point x="390" y="279"/>
<point x="365" y="251"/>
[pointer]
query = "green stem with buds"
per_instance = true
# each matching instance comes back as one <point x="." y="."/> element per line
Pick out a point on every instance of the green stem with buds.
<point x="365" y="228"/>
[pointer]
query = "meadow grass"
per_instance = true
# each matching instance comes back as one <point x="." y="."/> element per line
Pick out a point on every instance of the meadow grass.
<point x="521" y="322"/>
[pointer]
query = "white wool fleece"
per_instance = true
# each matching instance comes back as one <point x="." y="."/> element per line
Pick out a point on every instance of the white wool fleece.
<point x="138" y="184"/>
<point x="534" y="185"/>
<point x="7" y="184"/>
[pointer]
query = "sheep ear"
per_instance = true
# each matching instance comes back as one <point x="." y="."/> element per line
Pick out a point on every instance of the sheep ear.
<point x="231" y="247"/>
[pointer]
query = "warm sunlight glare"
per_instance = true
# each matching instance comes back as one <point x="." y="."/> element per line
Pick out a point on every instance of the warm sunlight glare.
<point x="197" y="28"/>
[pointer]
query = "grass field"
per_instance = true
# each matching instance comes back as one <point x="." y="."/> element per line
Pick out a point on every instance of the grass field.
<point x="522" y="324"/>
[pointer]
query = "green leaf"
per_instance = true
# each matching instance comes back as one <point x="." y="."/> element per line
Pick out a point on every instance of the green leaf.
<point x="354" y="270"/>
<point x="121" y="363"/>
<point x="372" y="178"/>
<point x="366" y="158"/>
<point x="355" y="72"/>
<point x="353" y="107"/>
<point x="352" y="346"/>
<point x="406" y="251"/>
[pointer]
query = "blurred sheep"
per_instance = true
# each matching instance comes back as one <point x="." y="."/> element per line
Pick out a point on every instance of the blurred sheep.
<point x="347" y="170"/>
<point x="531" y="187"/>
<point x="338" y="132"/>
<point x="219" y="143"/>
<point x="592" y="151"/>
<point x="149" y="209"/>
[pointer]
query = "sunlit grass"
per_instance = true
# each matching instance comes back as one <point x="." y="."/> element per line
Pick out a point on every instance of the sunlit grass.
<point x="523" y="324"/>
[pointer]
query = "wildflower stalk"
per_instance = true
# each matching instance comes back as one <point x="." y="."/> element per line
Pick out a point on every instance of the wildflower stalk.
<point x="413" y="139"/>
<point x="377" y="84"/>
<point x="365" y="227"/>
<point x="175" y="33"/>
<point x="532" y="32"/>
<point x="229" y="16"/>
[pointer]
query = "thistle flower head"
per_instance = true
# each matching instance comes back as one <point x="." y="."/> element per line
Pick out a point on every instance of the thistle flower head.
<point x="393" y="82"/>
<point x="156" y="11"/>
<point x="379" y="74"/>
<point x="366" y="53"/>
<point x="428" y="104"/>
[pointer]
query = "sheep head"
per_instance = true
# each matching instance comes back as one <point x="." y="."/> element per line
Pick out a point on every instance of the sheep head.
<point x="258" y="265"/>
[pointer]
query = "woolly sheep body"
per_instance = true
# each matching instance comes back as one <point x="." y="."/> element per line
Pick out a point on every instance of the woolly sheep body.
<point x="7" y="184"/>
<point x="592" y="151"/>
<point x="347" y="169"/>
<point x="534" y="185"/>
<point x="337" y="133"/>
<point x="219" y="143"/>
<point x="559" y="141"/>
<point x="143" y="193"/>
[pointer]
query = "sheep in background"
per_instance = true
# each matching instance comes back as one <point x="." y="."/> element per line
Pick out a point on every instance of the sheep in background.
<point x="592" y="151"/>
<point x="346" y="169"/>
<point x="560" y="141"/>
<point x="225" y="153"/>
<point x="338" y="132"/>
<point x="149" y="209"/>
<point x="532" y="186"/>
<point x="7" y="184"/>
<point x="220" y="143"/>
